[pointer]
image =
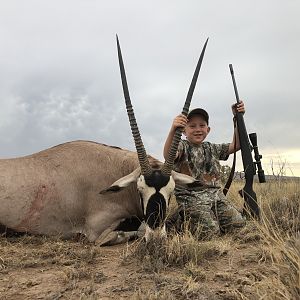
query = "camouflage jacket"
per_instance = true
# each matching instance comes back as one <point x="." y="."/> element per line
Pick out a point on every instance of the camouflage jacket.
<point x="201" y="161"/>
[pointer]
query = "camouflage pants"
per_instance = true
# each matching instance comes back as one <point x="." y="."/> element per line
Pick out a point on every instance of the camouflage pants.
<point x="207" y="212"/>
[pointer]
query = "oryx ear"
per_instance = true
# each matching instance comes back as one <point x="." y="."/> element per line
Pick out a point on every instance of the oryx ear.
<point x="183" y="179"/>
<point x="123" y="182"/>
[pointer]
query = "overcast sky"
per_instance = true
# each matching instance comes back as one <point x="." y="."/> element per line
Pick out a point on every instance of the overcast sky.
<point x="59" y="74"/>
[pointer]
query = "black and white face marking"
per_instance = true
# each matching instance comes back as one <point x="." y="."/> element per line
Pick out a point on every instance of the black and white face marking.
<point x="155" y="191"/>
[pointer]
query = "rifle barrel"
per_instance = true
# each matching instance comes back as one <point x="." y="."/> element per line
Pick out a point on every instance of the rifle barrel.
<point x="234" y="84"/>
<point x="249" y="167"/>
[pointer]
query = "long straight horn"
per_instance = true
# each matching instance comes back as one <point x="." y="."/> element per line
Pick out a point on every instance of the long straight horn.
<point x="142" y="155"/>
<point x="168" y="165"/>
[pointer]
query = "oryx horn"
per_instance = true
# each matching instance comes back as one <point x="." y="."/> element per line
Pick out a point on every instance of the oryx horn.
<point x="168" y="165"/>
<point x="142" y="155"/>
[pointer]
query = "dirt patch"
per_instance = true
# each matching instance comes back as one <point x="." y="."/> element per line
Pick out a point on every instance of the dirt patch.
<point x="46" y="268"/>
<point x="33" y="268"/>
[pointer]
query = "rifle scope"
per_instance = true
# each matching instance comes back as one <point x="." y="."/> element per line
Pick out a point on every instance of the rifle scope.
<point x="257" y="156"/>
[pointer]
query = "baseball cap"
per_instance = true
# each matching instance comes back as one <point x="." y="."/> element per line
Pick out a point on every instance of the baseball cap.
<point x="199" y="111"/>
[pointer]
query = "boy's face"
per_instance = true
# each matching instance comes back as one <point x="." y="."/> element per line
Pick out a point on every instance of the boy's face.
<point x="196" y="129"/>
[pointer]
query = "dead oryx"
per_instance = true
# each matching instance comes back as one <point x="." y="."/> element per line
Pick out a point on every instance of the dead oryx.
<point x="155" y="185"/>
<point x="56" y="191"/>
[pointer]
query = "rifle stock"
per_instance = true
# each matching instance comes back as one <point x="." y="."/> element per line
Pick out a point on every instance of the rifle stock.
<point x="250" y="205"/>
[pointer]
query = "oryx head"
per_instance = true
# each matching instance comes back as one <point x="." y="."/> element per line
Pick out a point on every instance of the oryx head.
<point x="155" y="185"/>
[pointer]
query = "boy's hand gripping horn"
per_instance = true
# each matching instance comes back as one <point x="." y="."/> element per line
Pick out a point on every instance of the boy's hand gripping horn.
<point x="168" y="165"/>
<point x="142" y="155"/>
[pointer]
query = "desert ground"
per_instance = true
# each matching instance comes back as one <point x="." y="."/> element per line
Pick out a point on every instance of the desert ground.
<point x="259" y="261"/>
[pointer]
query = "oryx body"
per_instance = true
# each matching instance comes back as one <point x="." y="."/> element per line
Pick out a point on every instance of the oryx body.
<point x="56" y="191"/>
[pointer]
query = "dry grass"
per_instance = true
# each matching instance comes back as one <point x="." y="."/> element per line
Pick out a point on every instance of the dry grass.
<point x="37" y="251"/>
<point x="177" y="251"/>
<point x="69" y="262"/>
<point x="260" y="261"/>
<point x="269" y="266"/>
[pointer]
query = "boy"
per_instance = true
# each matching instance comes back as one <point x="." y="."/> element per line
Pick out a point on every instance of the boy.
<point x="205" y="206"/>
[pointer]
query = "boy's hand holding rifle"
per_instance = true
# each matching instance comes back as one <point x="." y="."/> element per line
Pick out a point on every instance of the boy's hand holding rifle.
<point x="251" y="207"/>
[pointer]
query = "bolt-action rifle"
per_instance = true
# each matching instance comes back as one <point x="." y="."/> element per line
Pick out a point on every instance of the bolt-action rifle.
<point x="250" y="205"/>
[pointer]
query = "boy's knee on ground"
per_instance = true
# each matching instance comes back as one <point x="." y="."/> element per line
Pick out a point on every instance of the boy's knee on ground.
<point x="228" y="216"/>
<point x="203" y="226"/>
<point x="231" y="221"/>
